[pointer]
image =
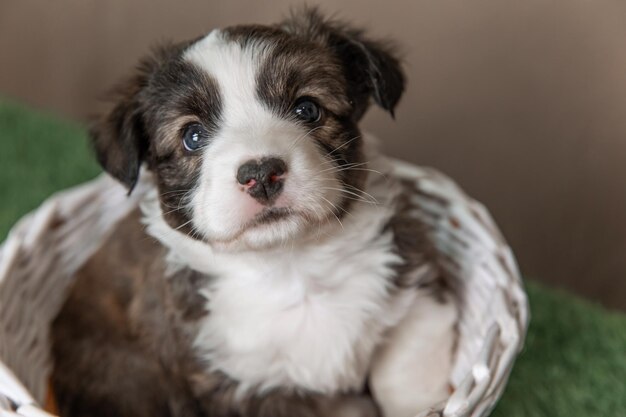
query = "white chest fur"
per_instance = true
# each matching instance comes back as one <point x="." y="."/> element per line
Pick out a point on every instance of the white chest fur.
<point x="307" y="316"/>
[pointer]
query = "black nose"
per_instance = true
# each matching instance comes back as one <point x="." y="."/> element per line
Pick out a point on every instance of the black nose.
<point x="263" y="179"/>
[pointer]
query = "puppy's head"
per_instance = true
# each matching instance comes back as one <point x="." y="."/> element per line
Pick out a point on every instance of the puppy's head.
<point x="251" y="132"/>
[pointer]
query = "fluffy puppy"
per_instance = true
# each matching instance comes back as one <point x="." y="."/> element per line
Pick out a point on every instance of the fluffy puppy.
<point x="275" y="268"/>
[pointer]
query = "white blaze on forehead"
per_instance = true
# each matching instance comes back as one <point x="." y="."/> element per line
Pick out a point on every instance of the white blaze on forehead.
<point x="235" y="69"/>
<point x="246" y="124"/>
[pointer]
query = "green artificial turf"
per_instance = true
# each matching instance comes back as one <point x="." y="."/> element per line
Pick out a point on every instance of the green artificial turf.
<point x="38" y="155"/>
<point x="574" y="362"/>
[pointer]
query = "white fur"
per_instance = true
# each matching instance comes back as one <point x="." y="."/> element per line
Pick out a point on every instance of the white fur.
<point x="411" y="371"/>
<point x="249" y="130"/>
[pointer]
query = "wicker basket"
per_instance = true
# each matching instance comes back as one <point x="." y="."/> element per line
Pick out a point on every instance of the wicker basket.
<point x="43" y="250"/>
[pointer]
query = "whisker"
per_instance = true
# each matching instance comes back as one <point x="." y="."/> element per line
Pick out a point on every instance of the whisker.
<point x="293" y="145"/>
<point x="173" y="192"/>
<point x="368" y="170"/>
<point x="184" y="224"/>
<point x="329" y="202"/>
<point x="333" y="212"/>
<point x="328" y="161"/>
<point x="195" y="233"/>
<point x="345" y="167"/>
<point x="346" y="212"/>
<point x="358" y="190"/>
<point x="160" y="214"/>
<point x="342" y="145"/>
<point x="360" y="200"/>
<point x="185" y="197"/>
<point x="352" y="193"/>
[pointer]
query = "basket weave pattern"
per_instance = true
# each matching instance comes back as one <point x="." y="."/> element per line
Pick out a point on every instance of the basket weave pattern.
<point x="46" y="247"/>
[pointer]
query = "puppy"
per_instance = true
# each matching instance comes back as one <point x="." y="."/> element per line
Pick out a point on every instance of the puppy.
<point x="275" y="268"/>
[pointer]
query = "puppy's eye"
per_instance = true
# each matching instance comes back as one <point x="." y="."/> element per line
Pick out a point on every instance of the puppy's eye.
<point x="194" y="136"/>
<point x="307" y="110"/>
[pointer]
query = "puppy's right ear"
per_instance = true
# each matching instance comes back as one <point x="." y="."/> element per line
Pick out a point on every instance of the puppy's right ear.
<point x="120" y="139"/>
<point x="372" y="68"/>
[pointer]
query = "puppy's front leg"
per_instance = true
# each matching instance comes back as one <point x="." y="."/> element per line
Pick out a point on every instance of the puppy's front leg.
<point x="411" y="371"/>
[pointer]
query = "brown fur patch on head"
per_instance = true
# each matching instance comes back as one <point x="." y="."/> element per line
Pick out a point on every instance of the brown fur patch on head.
<point x="153" y="108"/>
<point x="371" y="67"/>
<point x="293" y="68"/>
<point x="179" y="94"/>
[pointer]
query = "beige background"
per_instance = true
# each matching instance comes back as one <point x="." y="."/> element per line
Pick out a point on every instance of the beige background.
<point x="523" y="102"/>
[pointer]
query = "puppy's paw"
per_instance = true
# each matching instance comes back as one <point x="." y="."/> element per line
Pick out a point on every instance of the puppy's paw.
<point x="410" y="373"/>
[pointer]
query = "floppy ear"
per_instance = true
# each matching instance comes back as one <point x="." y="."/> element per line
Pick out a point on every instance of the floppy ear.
<point x="119" y="144"/>
<point x="120" y="139"/>
<point x="371" y="67"/>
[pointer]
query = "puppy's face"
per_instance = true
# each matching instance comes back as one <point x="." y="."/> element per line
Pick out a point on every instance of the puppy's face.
<point x="251" y="132"/>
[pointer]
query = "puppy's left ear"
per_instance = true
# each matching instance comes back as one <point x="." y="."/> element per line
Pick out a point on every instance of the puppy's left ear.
<point x="119" y="138"/>
<point x="120" y="142"/>
<point x="372" y="68"/>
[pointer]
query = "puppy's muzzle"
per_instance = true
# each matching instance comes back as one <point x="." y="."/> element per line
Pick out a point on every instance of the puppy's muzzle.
<point x="263" y="179"/>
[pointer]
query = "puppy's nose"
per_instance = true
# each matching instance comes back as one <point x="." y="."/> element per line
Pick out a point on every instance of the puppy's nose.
<point x="263" y="179"/>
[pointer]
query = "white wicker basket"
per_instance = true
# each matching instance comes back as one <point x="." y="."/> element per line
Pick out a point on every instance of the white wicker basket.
<point x="43" y="250"/>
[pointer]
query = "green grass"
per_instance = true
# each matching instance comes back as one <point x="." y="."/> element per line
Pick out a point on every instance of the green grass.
<point x="574" y="363"/>
<point x="38" y="155"/>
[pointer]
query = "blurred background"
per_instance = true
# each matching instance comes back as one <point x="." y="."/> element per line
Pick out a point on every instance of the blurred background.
<point x="522" y="102"/>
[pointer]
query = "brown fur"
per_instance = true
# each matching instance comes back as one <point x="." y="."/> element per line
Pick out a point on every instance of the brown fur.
<point x="122" y="345"/>
<point x="414" y="247"/>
